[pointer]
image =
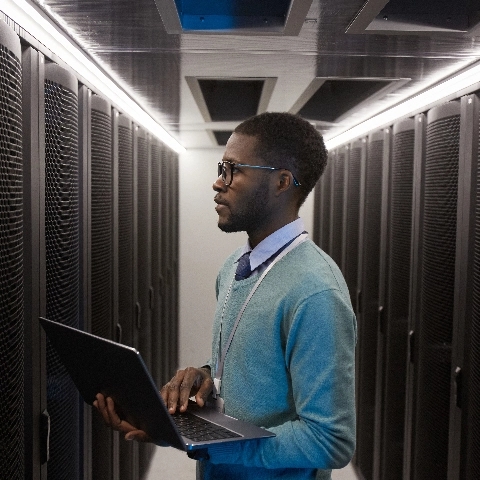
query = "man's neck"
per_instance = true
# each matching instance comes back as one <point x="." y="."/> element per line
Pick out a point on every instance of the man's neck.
<point x="254" y="238"/>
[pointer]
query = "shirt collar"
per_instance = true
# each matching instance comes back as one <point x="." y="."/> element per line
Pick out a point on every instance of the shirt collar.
<point x="270" y="245"/>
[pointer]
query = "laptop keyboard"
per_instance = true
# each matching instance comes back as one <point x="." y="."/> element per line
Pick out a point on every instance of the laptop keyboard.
<point x="199" y="430"/>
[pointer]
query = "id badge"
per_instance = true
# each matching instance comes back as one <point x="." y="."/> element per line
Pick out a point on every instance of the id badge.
<point x="219" y="404"/>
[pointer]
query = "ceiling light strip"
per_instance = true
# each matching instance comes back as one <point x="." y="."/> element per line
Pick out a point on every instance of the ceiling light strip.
<point x="31" y="20"/>
<point x="454" y="87"/>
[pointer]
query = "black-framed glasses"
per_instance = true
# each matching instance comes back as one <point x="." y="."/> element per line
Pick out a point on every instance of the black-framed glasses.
<point x="226" y="170"/>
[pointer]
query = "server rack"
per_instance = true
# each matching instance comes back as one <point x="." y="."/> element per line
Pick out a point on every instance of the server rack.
<point x="337" y="206"/>
<point x="63" y="179"/>
<point x="12" y="335"/>
<point x="464" y="444"/>
<point x="431" y="312"/>
<point x="157" y="334"/>
<point x="142" y="152"/>
<point x="326" y="204"/>
<point x="127" y="272"/>
<point x="62" y="261"/>
<point x="394" y="301"/>
<point x="367" y="302"/>
<point x="357" y="157"/>
<point x="35" y="403"/>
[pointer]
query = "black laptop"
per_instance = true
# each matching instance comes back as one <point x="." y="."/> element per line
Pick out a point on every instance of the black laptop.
<point x="97" y="365"/>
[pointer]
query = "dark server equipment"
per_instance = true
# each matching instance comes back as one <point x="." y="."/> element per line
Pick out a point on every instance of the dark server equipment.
<point x="433" y="272"/>
<point x="142" y="150"/>
<point x="80" y="194"/>
<point x="326" y="204"/>
<point x="394" y="289"/>
<point x="164" y="262"/>
<point x="356" y="157"/>
<point x="156" y="293"/>
<point x="337" y="212"/>
<point x="317" y="192"/>
<point x="464" y="440"/>
<point x="62" y="261"/>
<point x="102" y="322"/>
<point x="12" y="448"/>
<point x="174" y="221"/>
<point x="367" y="314"/>
<point x="127" y="273"/>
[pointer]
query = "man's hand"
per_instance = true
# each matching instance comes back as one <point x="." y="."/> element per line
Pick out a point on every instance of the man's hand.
<point x="185" y="384"/>
<point x="106" y="407"/>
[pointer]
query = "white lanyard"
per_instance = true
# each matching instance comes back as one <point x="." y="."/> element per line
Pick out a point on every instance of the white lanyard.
<point x="219" y="370"/>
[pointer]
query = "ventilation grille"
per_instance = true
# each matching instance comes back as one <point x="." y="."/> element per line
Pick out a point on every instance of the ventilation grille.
<point x="228" y="100"/>
<point x="397" y="304"/>
<point x="326" y="205"/>
<point x="222" y="136"/>
<point x="436" y="304"/>
<point x="102" y="236"/>
<point x="156" y="229"/>
<point x="165" y="255"/>
<point x="11" y="268"/>
<point x="62" y="269"/>
<point x="126" y="304"/>
<point x="125" y="234"/>
<point x="143" y="246"/>
<point x="472" y="464"/>
<point x="335" y="97"/>
<point x="337" y="219"/>
<point x="352" y="221"/>
<point x="368" y="321"/>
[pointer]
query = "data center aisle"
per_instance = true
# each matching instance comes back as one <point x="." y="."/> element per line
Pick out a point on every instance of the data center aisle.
<point x="170" y="463"/>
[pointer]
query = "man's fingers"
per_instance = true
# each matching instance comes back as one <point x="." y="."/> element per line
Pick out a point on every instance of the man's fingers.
<point x="138" y="435"/>
<point x="173" y="391"/>
<point x="204" y="391"/>
<point x="114" y="420"/>
<point x="101" y="407"/>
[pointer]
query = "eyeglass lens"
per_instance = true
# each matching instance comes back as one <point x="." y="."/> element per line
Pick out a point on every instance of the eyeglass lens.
<point x="225" y="171"/>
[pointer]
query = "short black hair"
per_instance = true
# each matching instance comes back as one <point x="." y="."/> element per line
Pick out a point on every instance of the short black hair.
<point x="288" y="141"/>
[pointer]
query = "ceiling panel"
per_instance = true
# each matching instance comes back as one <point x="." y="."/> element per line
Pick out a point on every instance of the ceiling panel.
<point x="131" y="40"/>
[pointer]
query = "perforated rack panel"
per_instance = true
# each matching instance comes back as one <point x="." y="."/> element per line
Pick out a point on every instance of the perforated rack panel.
<point x="326" y="205"/>
<point x="102" y="234"/>
<point x="337" y="215"/>
<point x="11" y="260"/>
<point x="101" y="211"/>
<point x="436" y="304"/>
<point x="352" y="211"/>
<point x="397" y="288"/>
<point x="368" y="319"/>
<point x="62" y="264"/>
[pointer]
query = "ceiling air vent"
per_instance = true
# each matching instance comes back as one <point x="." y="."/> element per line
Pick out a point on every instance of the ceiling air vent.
<point x="231" y="99"/>
<point x="239" y="17"/>
<point x="416" y="17"/>
<point x="330" y="100"/>
<point x="221" y="136"/>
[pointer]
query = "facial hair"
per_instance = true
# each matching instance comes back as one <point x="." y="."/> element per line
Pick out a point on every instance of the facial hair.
<point x="251" y="215"/>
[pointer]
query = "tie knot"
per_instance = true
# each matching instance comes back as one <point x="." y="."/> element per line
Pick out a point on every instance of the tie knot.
<point x="243" y="267"/>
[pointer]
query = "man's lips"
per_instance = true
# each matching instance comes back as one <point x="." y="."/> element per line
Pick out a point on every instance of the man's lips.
<point x="220" y="204"/>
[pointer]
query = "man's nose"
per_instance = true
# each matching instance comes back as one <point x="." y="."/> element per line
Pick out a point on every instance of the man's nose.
<point x="219" y="184"/>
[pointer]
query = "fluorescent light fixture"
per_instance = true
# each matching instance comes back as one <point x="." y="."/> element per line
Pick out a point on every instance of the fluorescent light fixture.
<point x="37" y="25"/>
<point x="453" y="87"/>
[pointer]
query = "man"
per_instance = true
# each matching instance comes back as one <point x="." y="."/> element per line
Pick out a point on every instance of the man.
<point x="288" y="366"/>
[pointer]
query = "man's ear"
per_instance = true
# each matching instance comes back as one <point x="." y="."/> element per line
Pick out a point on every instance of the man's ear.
<point x="284" y="181"/>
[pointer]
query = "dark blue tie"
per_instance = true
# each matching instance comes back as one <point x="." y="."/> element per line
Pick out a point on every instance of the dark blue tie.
<point x="243" y="267"/>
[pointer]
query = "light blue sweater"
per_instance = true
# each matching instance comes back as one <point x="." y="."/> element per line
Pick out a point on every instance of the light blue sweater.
<point x="290" y="369"/>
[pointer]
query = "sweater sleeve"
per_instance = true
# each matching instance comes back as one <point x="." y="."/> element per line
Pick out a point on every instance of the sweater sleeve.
<point x="319" y="354"/>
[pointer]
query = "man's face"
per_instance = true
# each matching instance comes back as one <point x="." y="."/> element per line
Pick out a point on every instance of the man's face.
<point x="243" y="205"/>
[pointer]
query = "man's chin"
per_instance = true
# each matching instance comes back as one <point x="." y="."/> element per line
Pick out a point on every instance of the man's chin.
<point x="227" y="227"/>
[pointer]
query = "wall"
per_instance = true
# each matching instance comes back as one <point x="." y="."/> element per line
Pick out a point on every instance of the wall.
<point x="203" y="249"/>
